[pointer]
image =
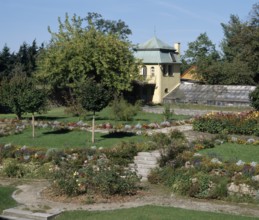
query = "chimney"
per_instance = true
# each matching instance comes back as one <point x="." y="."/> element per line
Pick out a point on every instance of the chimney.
<point x="177" y="47"/>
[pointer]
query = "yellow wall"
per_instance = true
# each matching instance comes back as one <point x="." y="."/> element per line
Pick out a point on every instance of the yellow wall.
<point x="162" y="82"/>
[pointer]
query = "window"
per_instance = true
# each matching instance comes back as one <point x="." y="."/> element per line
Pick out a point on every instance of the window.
<point x="152" y="71"/>
<point x="166" y="90"/>
<point x="164" y="69"/>
<point x="170" y="70"/>
<point x="144" y="71"/>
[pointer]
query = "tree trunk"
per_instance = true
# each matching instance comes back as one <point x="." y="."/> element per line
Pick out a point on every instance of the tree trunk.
<point x="19" y="116"/>
<point x="93" y="128"/>
<point x="33" y="126"/>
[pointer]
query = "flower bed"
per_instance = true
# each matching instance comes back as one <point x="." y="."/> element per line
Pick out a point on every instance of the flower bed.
<point x="245" y="123"/>
<point x="13" y="126"/>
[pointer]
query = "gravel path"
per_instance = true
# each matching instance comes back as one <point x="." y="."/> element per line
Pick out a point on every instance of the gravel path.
<point x="29" y="196"/>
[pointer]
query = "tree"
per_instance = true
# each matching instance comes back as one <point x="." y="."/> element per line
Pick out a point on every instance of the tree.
<point x="77" y="53"/>
<point x="226" y="73"/>
<point x="254" y="15"/>
<point x="6" y="62"/>
<point x="201" y="51"/>
<point x="240" y="45"/>
<point x="34" y="101"/>
<point x="94" y="97"/>
<point x="21" y="95"/>
<point x="238" y="64"/>
<point x="118" y="28"/>
<point x="254" y="98"/>
<point x="26" y="56"/>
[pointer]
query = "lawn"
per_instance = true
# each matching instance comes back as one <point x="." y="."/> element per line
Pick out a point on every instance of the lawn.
<point x="234" y="152"/>
<point x="101" y="117"/>
<point x="67" y="139"/>
<point x="149" y="213"/>
<point x="6" y="200"/>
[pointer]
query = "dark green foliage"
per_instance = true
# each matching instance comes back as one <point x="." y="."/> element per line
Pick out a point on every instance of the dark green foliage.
<point x="21" y="95"/>
<point x="170" y="146"/>
<point x="13" y="169"/>
<point x="122" y="110"/>
<point x="87" y="48"/>
<point x="199" y="52"/>
<point x="238" y="64"/>
<point x="240" y="46"/>
<point x="200" y="49"/>
<point x="244" y="124"/>
<point x="94" y="96"/>
<point x="98" y="176"/>
<point x="168" y="113"/>
<point x="25" y="57"/>
<point x="6" y="62"/>
<point x="122" y="154"/>
<point x="108" y="26"/>
<point x="254" y="98"/>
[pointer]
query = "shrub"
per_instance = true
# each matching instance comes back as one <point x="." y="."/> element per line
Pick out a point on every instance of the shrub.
<point x="122" y="110"/>
<point x="245" y="123"/>
<point x="7" y="151"/>
<point x="113" y="180"/>
<point x="12" y="168"/>
<point x="168" y="113"/>
<point x="123" y="153"/>
<point x="155" y="176"/>
<point x="97" y="176"/>
<point x="220" y="189"/>
<point x="64" y="181"/>
<point x="170" y="146"/>
<point x="254" y="98"/>
<point x="75" y="109"/>
<point x="181" y="181"/>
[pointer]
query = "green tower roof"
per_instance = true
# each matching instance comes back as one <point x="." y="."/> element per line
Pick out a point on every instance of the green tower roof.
<point x="156" y="51"/>
<point x="154" y="43"/>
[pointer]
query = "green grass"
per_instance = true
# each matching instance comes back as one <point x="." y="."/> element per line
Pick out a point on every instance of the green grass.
<point x="149" y="213"/>
<point x="67" y="139"/>
<point x="234" y="152"/>
<point x="101" y="117"/>
<point x="6" y="200"/>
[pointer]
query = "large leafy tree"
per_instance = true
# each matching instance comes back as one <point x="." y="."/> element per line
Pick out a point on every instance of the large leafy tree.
<point x="199" y="51"/>
<point x="118" y="28"/>
<point x="241" y="45"/>
<point x="80" y="51"/>
<point x="94" y="97"/>
<point x="238" y="64"/>
<point x="254" y="15"/>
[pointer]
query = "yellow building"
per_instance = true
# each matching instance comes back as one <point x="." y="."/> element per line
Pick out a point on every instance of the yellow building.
<point x="161" y="69"/>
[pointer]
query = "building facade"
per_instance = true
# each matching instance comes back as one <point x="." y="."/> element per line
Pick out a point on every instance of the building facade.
<point x="160" y="69"/>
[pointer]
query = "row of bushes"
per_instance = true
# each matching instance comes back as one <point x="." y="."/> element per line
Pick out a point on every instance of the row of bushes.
<point x="246" y="123"/>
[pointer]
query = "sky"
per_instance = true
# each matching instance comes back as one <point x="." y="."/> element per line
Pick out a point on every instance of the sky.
<point x="170" y="20"/>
